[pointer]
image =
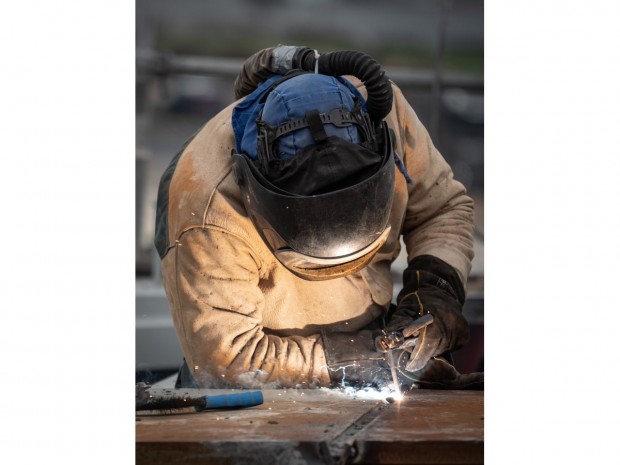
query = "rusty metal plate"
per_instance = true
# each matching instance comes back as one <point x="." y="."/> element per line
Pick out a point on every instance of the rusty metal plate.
<point x="294" y="415"/>
<point x="321" y="427"/>
<point x="427" y="427"/>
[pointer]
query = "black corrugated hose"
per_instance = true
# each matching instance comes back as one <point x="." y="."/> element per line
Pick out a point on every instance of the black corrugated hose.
<point x="358" y="64"/>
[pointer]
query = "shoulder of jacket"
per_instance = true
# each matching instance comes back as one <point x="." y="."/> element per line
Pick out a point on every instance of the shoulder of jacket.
<point x="203" y="165"/>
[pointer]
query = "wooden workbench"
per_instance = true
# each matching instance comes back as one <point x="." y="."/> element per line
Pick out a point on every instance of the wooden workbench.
<point x="295" y="427"/>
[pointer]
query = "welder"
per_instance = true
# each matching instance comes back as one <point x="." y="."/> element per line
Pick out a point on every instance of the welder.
<point x="278" y="221"/>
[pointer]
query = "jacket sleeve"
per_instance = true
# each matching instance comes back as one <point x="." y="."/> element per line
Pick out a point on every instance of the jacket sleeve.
<point x="439" y="216"/>
<point x="212" y="282"/>
<point x="255" y="70"/>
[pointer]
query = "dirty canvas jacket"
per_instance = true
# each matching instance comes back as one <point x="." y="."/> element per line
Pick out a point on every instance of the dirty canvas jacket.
<point x="242" y="317"/>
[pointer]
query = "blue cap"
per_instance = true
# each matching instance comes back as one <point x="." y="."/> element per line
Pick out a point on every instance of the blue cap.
<point x="295" y="97"/>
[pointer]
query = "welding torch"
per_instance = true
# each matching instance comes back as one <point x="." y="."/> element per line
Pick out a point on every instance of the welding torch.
<point x="401" y="339"/>
<point x="160" y="399"/>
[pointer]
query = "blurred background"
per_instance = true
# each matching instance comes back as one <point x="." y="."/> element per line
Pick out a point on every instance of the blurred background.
<point x="188" y="53"/>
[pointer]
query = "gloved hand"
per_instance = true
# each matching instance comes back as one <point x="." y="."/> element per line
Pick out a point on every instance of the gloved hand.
<point x="438" y="373"/>
<point x="430" y="286"/>
<point x="353" y="361"/>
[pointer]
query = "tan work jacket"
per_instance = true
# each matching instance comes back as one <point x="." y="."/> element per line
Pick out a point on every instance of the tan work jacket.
<point x="240" y="316"/>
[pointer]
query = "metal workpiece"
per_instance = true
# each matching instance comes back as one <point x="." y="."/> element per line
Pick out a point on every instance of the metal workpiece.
<point x="322" y="426"/>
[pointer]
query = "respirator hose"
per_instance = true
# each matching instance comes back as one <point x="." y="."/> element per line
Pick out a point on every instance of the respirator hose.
<point x="363" y="67"/>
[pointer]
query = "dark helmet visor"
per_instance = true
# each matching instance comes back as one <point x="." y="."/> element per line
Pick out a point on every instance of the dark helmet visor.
<point x="324" y="231"/>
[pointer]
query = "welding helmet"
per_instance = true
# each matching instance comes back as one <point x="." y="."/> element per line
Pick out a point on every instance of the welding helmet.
<point x="318" y="186"/>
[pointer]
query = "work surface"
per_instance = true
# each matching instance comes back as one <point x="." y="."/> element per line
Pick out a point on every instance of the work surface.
<point x="322" y="427"/>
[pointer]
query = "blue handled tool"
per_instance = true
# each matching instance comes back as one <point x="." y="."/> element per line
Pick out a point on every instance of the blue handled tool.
<point x="234" y="400"/>
<point x="149" y="398"/>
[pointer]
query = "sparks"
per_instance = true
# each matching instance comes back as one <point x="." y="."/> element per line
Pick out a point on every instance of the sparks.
<point x="369" y="393"/>
<point x="391" y="391"/>
<point x="398" y="395"/>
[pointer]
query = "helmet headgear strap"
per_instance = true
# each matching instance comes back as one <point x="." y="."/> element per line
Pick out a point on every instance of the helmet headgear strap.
<point x="315" y="124"/>
<point x="340" y="117"/>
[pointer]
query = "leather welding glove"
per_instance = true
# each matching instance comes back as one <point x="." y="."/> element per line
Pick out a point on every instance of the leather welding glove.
<point x="353" y="361"/>
<point x="438" y="373"/>
<point x="430" y="286"/>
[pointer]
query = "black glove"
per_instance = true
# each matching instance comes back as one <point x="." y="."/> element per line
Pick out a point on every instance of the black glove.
<point x="353" y="361"/>
<point x="430" y="286"/>
<point x="438" y="373"/>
